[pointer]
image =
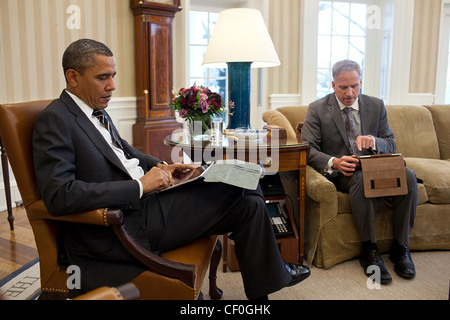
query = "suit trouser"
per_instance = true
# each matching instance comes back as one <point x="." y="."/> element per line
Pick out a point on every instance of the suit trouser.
<point x="202" y="209"/>
<point x="364" y="209"/>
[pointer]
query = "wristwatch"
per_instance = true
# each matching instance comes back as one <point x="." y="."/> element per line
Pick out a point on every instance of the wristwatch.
<point x="332" y="163"/>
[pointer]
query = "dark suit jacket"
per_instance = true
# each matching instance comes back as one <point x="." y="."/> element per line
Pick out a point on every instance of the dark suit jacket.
<point x="77" y="171"/>
<point x="324" y="129"/>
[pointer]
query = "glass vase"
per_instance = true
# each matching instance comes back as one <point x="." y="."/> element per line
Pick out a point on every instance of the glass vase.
<point x="200" y="128"/>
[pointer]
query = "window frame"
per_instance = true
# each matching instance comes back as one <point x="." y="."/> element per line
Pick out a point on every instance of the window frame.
<point x="375" y="55"/>
<point x="444" y="56"/>
<point x="206" y="80"/>
<point x="335" y="36"/>
<point x="210" y="6"/>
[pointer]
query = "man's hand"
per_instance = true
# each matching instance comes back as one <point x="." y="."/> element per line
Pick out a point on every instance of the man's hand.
<point x="177" y="172"/>
<point x="365" y="142"/>
<point x="155" y="179"/>
<point x="163" y="176"/>
<point x="346" y="165"/>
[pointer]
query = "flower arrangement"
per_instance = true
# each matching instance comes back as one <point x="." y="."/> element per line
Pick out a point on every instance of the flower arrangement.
<point x="198" y="103"/>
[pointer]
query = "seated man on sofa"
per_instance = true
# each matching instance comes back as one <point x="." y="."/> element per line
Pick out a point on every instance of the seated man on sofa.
<point x="342" y="126"/>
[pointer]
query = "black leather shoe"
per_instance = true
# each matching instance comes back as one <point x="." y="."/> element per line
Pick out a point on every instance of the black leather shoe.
<point x="401" y="257"/>
<point x="370" y="258"/>
<point x="298" y="272"/>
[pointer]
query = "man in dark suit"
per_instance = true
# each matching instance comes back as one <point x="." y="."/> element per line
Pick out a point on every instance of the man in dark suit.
<point x="340" y="127"/>
<point x="80" y="166"/>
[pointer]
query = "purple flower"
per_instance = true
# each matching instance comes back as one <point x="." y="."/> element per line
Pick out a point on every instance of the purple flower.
<point x="204" y="102"/>
<point x="183" y="113"/>
<point x="197" y="102"/>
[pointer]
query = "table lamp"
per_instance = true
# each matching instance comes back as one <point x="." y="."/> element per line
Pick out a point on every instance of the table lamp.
<point x="240" y="41"/>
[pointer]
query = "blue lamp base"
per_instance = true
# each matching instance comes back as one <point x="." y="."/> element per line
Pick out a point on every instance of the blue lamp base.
<point x="239" y="85"/>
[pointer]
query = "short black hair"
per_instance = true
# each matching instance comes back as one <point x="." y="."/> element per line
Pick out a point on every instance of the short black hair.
<point x="80" y="55"/>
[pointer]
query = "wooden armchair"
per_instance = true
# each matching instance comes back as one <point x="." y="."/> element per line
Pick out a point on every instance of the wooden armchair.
<point x="178" y="274"/>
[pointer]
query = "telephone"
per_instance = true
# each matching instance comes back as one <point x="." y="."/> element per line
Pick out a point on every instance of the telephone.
<point x="279" y="218"/>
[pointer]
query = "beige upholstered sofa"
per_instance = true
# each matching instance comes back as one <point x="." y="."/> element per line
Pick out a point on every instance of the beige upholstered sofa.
<point x="422" y="134"/>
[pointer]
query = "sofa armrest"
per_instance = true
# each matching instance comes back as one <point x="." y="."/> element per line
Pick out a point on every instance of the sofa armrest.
<point x="274" y="117"/>
<point x="322" y="191"/>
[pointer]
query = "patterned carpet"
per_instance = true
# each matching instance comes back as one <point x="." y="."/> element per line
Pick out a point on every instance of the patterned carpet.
<point x="23" y="284"/>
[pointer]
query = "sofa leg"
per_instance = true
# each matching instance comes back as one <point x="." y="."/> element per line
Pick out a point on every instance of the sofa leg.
<point x="214" y="292"/>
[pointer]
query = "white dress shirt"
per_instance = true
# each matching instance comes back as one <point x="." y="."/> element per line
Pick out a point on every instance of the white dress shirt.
<point x="131" y="165"/>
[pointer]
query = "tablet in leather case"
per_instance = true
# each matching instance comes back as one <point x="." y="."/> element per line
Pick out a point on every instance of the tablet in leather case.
<point x="384" y="175"/>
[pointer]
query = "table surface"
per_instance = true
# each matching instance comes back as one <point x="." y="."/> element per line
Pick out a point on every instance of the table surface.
<point x="181" y="139"/>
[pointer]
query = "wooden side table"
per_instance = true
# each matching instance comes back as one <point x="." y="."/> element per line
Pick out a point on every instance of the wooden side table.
<point x="7" y="185"/>
<point x="276" y="156"/>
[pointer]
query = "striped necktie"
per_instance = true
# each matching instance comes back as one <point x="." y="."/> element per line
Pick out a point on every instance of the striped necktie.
<point x="105" y="122"/>
<point x="352" y="130"/>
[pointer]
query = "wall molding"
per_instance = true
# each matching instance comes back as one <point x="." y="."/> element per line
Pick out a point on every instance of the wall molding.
<point x="15" y="195"/>
<point x="284" y="100"/>
<point x="124" y="114"/>
<point x="419" y="99"/>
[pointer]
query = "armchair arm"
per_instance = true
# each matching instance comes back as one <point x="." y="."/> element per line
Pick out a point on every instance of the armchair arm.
<point x="181" y="271"/>
<point x="101" y="217"/>
<point x="114" y="218"/>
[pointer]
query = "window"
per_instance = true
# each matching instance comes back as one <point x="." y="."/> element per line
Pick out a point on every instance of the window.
<point x="202" y="25"/>
<point x="342" y="34"/>
<point x="447" y="90"/>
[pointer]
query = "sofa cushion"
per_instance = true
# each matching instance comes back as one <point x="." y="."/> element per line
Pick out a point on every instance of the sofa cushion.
<point x="423" y="196"/>
<point x="435" y="175"/>
<point x="277" y="118"/>
<point x="441" y="119"/>
<point x="414" y="131"/>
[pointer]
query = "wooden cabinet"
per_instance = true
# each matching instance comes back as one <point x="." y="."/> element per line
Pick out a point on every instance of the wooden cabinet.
<point x="154" y="75"/>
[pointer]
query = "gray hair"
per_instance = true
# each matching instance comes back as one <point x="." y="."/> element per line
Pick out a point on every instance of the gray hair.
<point x="80" y="55"/>
<point x="346" y="66"/>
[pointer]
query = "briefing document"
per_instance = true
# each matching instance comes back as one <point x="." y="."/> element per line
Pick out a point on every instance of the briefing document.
<point x="235" y="172"/>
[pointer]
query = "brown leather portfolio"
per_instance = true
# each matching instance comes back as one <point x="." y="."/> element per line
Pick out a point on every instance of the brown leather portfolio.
<point x="384" y="175"/>
<point x="282" y="134"/>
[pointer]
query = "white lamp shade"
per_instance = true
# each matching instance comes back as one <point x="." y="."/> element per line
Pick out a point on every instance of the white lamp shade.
<point x="241" y="36"/>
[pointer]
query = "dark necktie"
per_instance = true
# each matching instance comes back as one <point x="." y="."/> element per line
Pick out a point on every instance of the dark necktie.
<point x="352" y="131"/>
<point x="105" y="122"/>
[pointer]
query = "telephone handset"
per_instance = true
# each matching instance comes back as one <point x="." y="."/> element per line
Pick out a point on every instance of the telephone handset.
<point x="279" y="218"/>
